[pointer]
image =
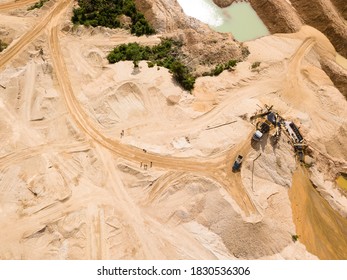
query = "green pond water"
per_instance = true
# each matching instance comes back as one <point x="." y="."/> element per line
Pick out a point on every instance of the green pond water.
<point x="239" y="19"/>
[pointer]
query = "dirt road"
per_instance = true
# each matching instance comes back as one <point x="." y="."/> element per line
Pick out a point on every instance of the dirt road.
<point x="11" y="5"/>
<point x="91" y="184"/>
<point x="210" y="167"/>
<point x="30" y="36"/>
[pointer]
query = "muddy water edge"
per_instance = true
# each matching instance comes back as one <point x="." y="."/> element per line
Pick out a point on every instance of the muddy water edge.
<point x="240" y="18"/>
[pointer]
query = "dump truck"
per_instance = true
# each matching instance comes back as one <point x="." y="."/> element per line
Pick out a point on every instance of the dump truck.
<point x="237" y="163"/>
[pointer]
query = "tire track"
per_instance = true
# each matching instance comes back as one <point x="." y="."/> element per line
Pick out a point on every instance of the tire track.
<point x="15" y="4"/>
<point x="19" y="156"/>
<point x="86" y="124"/>
<point x="208" y="167"/>
<point x="30" y="36"/>
<point x="292" y="89"/>
<point x="29" y="86"/>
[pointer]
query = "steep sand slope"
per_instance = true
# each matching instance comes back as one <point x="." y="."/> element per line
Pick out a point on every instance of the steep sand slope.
<point x="319" y="228"/>
<point x="341" y="7"/>
<point x="203" y="48"/>
<point x="327" y="16"/>
<point x="323" y="16"/>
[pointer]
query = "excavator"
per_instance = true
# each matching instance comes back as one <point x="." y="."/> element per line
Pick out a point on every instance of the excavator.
<point x="262" y="114"/>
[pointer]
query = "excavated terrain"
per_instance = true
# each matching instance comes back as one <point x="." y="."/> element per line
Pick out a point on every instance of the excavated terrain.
<point x="328" y="16"/>
<point x="108" y="161"/>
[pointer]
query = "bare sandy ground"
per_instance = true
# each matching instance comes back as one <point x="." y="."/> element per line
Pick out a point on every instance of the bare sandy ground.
<point x="315" y="217"/>
<point x="74" y="186"/>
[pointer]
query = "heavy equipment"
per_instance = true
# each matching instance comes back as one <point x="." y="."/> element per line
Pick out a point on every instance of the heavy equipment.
<point x="237" y="163"/>
<point x="262" y="128"/>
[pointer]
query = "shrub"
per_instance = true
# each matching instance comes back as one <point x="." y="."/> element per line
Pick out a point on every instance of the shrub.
<point x="150" y="64"/>
<point x="37" y="5"/>
<point x="3" y="45"/>
<point x="230" y="64"/>
<point x="295" y="237"/>
<point x="245" y="52"/>
<point x="217" y="70"/>
<point x="221" y="67"/>
<point x="255" y="64"/>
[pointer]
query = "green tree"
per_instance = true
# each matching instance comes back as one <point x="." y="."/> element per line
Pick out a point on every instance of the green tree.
<point x="106" y="13"/>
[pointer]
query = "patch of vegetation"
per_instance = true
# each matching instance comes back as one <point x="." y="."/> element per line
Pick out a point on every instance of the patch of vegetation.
<point x="164" y="54"/>
<point x="221" y="67"/>
<point x="37" y="5"/>
<point x="255" y="64"/>
<point x="106" y="13"/>
<point x="245" y="51"/>
<point x="295" y="237"/>
<point x="3" y="45"/>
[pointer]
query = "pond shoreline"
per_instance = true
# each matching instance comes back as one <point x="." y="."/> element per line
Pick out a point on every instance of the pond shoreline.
<point x="239" y="18"/>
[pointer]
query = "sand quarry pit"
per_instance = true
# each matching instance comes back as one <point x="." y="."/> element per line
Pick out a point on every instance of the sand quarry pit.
<point x="101" y="161"/>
